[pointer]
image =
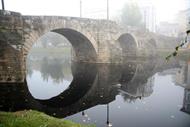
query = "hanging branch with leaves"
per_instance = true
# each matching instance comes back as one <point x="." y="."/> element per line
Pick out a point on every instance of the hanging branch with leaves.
<point x="179" y="46"/>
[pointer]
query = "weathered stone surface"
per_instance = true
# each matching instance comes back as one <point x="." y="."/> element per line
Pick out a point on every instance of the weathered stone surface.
<point x="11" y="64"/>
<point x="11" y="27"/>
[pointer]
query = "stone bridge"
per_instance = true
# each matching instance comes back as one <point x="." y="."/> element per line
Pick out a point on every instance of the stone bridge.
<point x="93" y="41"/>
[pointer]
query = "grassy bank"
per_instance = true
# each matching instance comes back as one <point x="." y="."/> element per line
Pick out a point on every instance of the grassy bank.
<point x="31" y="118"/>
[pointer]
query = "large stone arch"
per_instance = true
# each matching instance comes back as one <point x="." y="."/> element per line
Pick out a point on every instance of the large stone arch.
<point x="81" y="39"/>
<point x="84" y="49"/>
<point x="128" y="44"/>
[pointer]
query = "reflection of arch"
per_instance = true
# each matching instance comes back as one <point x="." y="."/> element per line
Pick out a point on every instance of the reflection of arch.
<point x="83" y="78"/>
<point x="139" y="84"/>
<point x="17" y="97"/>
<point x="83" y="44"/>
<point x="128" y="44"/>
<point x="144" y="69"/>
<point x="128" y="72"/>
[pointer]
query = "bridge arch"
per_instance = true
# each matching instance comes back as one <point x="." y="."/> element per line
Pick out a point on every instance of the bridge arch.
<point x="128" y="44"/>
<point x="82" y="42"/>
<point x="83" y="48"/>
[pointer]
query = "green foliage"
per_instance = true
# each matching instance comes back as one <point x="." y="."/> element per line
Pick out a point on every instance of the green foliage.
<point x="131" y="15"/>
<point x="34" y="119"/>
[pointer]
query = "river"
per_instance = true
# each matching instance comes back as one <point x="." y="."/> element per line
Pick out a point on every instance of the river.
<point x="137" y="93"/>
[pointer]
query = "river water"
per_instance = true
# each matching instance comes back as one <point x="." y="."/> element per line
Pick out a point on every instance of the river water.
<point x="137" y="93"/>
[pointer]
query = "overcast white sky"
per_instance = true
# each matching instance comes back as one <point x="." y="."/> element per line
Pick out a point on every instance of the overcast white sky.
<point x="166" y="9"/>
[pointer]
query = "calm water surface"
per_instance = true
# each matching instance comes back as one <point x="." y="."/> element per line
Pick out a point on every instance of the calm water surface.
<point x="139" y="93"/>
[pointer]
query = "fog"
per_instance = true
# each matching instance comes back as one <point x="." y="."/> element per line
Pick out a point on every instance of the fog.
<point x="166" y="10"/>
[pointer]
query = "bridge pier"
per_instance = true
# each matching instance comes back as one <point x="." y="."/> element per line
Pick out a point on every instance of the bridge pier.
<point x="11" y="60"/>
<point x="12" y="68"/>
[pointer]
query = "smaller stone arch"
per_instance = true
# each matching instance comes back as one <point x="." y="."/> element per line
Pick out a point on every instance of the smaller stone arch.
<point x="128" y="44"/>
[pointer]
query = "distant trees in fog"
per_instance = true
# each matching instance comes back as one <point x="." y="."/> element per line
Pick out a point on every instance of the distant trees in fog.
<point x="131" y="15"/>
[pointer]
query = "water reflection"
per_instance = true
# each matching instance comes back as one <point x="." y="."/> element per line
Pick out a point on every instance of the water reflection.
<point x="182" y="78"/>
<point x="51" y="75"/>
<point x="186" y="101"/>
<point x="94" y="85"/>
<point x="50" y="68"/>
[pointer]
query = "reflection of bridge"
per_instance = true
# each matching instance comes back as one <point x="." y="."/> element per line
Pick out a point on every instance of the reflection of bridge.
<point x="183" y="79"/>
<point x="97" y="41"/>
<point x="91" y="85"/>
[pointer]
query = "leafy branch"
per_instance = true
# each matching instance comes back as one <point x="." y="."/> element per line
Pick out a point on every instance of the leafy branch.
<point x="179" y="46"/>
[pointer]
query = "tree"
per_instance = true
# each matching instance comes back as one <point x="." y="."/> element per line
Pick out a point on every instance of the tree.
<point x="131" y="15"/>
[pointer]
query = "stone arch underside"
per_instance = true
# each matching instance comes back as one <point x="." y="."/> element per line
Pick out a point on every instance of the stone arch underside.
<point x="128" y="44"/>
<point x="84" y="50"/>
<point x="83" y="47"/>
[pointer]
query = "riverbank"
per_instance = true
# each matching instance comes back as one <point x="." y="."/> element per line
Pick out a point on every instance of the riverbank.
<point x="30" y="118"/>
